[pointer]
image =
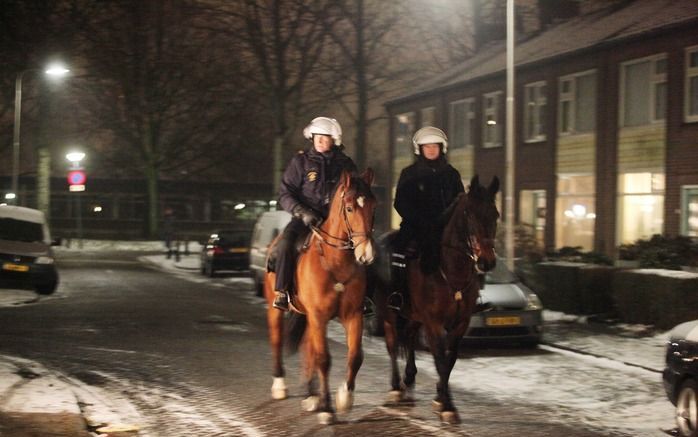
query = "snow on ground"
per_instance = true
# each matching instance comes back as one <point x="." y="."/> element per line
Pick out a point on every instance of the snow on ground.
<point x="623" y="394"/>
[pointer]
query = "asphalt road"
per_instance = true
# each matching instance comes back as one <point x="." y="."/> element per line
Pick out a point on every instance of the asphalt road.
<point x="193" y="359"/>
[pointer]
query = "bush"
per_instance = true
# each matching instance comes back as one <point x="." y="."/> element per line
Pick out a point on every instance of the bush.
<point x="661" y="252"/>
<point x="575" y="254"/>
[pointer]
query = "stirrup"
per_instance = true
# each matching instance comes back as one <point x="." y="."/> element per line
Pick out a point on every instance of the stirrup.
<point x="368" y="306"/>
<point x="281" y="301"/>
<point x="395" y="301"/>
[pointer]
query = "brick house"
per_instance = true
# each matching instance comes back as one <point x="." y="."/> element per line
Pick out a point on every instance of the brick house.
<point x="606" y="124"/>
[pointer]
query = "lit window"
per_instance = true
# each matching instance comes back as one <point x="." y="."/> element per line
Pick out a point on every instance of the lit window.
<point x="575" y="211"/>
<point x="404" y="129"/>
<point x="640" y="206"/>
<point x="689" y="210"/>
<point x="492" y="120"/>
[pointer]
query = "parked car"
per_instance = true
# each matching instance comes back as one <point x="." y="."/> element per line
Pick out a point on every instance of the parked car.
<point x="225" y="249"/>
<point x="680" y="376"/>
<point x="514" y="314"/>
<point x="25" y="250"/>
<point x="268" y="226"/>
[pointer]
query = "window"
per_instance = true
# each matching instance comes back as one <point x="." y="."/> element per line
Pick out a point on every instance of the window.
<point x="427" y="116"/>
<point x="640" y="206"/>
<point x="532" y="214"/>
<point x="493" y="123"/>
<point x="691" y="87"/>
<point x="643" y="88"/>
<point x="534" y="111"/>
<point x="689" y="210"/>
<point x="575" y="212"/>
<point x="461" y="123"/>
<point x="577" y="103"/>
<point x="404" y="128"/>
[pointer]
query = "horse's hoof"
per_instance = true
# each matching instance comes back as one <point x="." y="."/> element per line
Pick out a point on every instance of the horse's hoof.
<point x="325" y="418"/>
<point x="345" y="398"/>
<point x="278" y="389"/>
<point x="310" y="403"/>
<point x="394" y="396"/>
<point x="450" y="417"/>
<point x="437" y="406"/>
<point x="408" y="394"/>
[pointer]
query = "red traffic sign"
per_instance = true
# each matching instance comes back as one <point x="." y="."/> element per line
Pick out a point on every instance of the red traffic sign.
<point x="77" y="177"/>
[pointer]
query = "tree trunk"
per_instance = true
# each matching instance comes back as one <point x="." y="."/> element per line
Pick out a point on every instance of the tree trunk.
<point x="362" y="85"/>
<point x="153" y="201"/>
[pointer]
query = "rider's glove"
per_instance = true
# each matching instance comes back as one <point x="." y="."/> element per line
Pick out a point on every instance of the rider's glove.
<point x="309" y="217"/>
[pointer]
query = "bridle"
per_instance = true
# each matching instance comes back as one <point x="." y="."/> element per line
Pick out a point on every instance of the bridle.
<point x="470" y="242"/>
<point x="341" y="243"/>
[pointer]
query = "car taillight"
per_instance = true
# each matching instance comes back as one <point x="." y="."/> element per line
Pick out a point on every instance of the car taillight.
<point x="218" y="251"/>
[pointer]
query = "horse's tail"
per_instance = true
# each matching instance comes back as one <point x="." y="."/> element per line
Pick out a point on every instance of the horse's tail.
<point x="295" y="329"/>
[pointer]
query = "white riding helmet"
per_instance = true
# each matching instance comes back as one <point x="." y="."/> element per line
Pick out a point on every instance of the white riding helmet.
<point x="429" y="135"/>
<point x="324" y="126"/>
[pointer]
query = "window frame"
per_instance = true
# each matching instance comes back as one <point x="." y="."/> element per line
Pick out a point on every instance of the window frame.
<point x="685" y="189"/>
<point x="655" y="79"/>
<point x="570" y="96"/>
<point x="470" y="114"/>
<point x="422" y="113"/>
<point x="537" y="110"/>
<point x="488" y="111"/>
<point x="689" y="73"/>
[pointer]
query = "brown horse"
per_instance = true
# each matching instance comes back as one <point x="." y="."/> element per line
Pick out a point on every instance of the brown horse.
<point x="330" y="282"/>
<point x="443" y="301"/>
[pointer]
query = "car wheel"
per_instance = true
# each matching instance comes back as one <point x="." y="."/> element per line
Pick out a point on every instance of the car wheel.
<point x="46" y="289"/>
<point x="687" y="409"/>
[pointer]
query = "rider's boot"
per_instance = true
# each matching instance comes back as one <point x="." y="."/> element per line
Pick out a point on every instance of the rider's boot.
<point x="398" y="278"/>
<point x="281" y="300"/>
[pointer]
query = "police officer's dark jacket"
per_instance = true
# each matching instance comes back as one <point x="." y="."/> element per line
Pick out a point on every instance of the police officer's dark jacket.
<point x="311" y="177"/>
<point x="425" y="189"/>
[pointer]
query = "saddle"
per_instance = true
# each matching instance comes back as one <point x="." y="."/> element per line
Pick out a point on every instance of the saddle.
<point x="300" y="245"/>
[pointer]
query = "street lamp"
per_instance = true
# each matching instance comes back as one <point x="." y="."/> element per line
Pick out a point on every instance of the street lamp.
<point x="54" y="70"/>
<point x="75" y="157"/>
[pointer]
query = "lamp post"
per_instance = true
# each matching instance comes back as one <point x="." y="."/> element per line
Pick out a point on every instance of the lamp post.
<point x="54" y="70"/>
<point x="76" y="169"/>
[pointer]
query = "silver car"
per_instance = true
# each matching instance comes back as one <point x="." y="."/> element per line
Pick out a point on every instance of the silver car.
<point x="515" y="313"/>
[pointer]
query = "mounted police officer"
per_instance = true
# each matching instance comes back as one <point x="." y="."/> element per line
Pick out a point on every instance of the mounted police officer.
<point x="306" y="189"/>
<point x="424" y="191"/>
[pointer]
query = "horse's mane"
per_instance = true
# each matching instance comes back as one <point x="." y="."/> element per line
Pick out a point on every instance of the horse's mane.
<point x="359" y="187"/>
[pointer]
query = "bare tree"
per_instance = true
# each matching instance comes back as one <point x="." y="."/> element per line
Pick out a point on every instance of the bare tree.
<point x="280" y="42"/>
<point x="156" y="91"/>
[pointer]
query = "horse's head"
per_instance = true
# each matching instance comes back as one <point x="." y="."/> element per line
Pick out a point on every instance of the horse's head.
<point x="357" y="204"/>
<point x="477" y="217"/>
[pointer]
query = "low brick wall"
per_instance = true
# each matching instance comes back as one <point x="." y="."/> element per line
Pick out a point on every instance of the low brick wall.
<point x="663" y="298"/>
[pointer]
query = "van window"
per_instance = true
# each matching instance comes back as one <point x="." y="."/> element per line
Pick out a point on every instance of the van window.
<point x="20" y="230"/>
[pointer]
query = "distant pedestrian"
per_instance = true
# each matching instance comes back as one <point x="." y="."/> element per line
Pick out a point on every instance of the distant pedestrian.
<point x="169" y="232"/>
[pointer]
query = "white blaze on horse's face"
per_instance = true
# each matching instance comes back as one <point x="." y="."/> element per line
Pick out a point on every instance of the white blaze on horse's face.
<point x="360" y="201"/>
<point x="364" y="252"/>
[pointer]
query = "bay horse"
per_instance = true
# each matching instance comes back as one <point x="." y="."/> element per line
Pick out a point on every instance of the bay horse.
<point x="330" y="282"/>
<point x="443" y="301"/>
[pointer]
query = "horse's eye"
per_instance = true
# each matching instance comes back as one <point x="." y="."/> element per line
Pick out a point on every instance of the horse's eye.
<point x="350" y="209"/>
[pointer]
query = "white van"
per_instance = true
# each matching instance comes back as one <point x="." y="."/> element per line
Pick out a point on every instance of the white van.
<point x="268" y="226"/>
<point x="26" y="257"/>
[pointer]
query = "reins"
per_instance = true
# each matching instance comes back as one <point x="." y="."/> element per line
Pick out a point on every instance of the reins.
<point x="349" y="243"/>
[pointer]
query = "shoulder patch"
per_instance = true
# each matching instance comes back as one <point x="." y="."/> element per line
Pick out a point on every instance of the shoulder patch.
<point x="312" y="175"/>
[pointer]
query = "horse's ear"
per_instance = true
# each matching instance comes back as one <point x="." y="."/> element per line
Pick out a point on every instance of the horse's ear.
<point x="474" y="182"/>
<point x="345" y="179"/>
<point x="494" y="186"/>
<point x="367" y="176"/>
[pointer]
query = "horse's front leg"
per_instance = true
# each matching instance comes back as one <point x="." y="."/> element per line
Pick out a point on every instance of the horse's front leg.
<point x="321" y="362"/>
<point x="275" y="323"/>
<point x="312" y="400"/>
<point x="444" y="359"/>
<point x="391" y="343"/>
<point x="353" y="325"/>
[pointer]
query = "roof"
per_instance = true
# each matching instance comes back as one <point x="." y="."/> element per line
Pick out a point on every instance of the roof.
<point x="593" y="30"/>
<point x="22" y="213"/>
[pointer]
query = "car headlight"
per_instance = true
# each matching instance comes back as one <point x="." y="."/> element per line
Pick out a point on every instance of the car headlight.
<point x="534" y="302"/>
<point x="44" y="260"/>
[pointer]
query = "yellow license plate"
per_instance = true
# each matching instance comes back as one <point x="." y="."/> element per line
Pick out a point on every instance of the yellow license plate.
<point x="15" y="267"/>
<point x="239" y="250"/>
<point x="503" y="321"/>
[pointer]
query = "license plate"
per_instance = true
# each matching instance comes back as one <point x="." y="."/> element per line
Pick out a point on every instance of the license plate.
<point x="239" y="250"/>
<point x="15" y="267"/>
<point x="503" y="321"/>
